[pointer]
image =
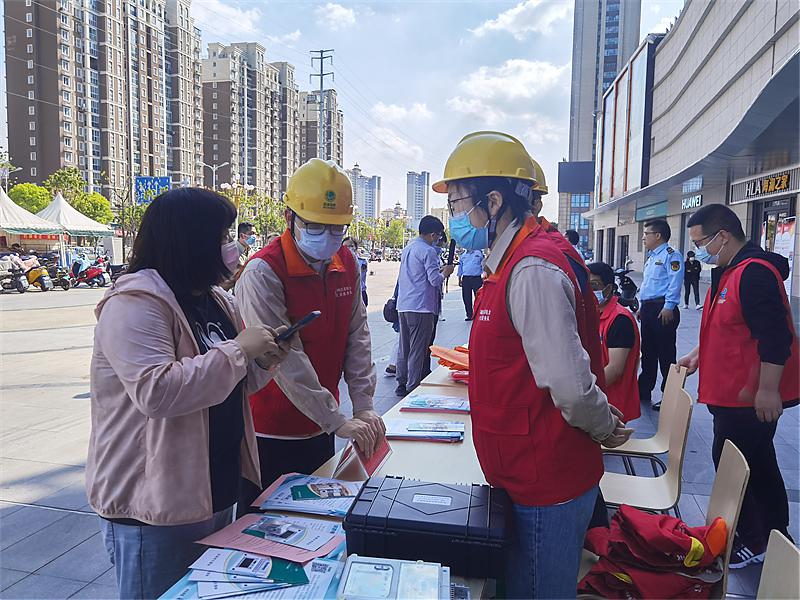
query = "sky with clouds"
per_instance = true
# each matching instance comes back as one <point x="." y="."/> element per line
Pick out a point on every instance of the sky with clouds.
<point x="413" y="77"/>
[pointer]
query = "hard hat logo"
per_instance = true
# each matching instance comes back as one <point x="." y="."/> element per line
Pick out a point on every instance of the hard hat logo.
<point x="330" y="200"/>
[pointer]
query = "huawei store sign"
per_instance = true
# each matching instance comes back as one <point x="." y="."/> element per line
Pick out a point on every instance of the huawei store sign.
<point x="692" y="202"/>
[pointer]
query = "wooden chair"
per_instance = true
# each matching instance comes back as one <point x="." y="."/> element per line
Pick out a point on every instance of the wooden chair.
<point x="780" y="578"/>
<point x="650" y="448"/>
<point x="661" y="493"/>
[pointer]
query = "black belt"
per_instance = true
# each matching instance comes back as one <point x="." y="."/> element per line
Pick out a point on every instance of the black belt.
<point x="654" y="300"/>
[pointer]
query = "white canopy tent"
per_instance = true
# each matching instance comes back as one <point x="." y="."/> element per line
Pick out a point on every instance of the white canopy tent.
<point x="15" y="219"/>
<point x="61" y="212"/>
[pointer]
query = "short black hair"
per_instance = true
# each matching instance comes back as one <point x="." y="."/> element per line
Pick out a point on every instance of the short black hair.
<point x="660" y="226"/>
<point x="603" y="271"/>
<point x="430" y="224"/>
<point x="716" y="217"/>
<point x="180" y="237"/>
<point x="690" y="254"/>
<point x="516" y="193"/>
<point x="243" y="228"/>
<point x="572" y="236"/>
<point x="350" y="238"/>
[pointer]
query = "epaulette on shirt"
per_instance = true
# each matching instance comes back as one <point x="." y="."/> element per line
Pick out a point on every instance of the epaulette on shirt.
<point x="670" y="250"/>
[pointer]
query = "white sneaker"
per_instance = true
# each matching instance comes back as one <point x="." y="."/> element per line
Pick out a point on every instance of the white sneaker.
<point x="699" y="307"/>
<point x="685" y="307"/>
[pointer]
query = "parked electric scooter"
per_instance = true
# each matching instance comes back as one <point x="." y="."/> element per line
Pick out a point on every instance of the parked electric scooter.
<point x="40" y="277"/>
<point x="92" y="274"/>
<point x="626" y="288"/>
<point x="12" y="275"/>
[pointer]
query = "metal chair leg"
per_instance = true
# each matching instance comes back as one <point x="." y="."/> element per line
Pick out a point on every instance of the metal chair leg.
<point x="626" y="460"/>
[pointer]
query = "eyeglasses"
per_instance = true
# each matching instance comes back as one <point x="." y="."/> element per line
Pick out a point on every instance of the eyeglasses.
<point x="450" y="204"/>
<point x="650" y="232"/>
<point x="319" y="228"/>
<point x="699" y="243"/>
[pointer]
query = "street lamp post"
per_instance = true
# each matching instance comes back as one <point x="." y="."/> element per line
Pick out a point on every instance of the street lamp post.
<point x="5" y="172"/>
<point x="214" y="172"/>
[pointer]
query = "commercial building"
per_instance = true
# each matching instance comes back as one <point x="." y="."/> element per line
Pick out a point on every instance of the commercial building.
<point x="605" y="34"/>
<point x="366" y="193"/>
<point x="417" y="196"/>
<point x="722" y="89"/>
<point x="184" y="96"/>
<point x="332" y="123"/>
<point x="389" y="214"/>
<point x="240" y="103"/>
<point x="86" y="88"/>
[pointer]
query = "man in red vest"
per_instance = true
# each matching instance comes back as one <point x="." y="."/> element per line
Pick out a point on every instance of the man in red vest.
<point x="307" y="269"/>
<point x="619" y="340"/>
<point x="748" y="363"/>
<point x="538" y="417"/>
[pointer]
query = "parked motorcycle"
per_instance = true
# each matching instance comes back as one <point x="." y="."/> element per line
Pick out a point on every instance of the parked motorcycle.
<point x="40" y="277"/>
<point x="92" y="274"/>
<point x="59" y="275"/>
<point x="626" y="288"/>
<point x="14" y="279"/>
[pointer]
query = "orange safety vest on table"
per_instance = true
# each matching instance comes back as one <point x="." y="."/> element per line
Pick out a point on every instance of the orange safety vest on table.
<point x="523" y="443"/>
<point x="623" y="393"/>
<point x="730" y="367"/>
<point x="324" y="339"/>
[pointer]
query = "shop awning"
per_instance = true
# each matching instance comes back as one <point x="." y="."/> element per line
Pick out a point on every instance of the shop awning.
<point x="73" y="222"/>
<point x="15" y="219"/>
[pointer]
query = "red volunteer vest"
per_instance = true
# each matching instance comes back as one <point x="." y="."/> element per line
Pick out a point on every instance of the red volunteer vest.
<point x="588" y="310"/>
<point x="623" y="393"/>
<point x="523" y="443"/>
<point x="324" y="340"/>
<point x="729" y="361"/>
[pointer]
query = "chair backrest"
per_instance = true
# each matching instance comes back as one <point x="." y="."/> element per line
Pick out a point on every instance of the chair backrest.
<point x="780" y="578"/>
<point x="679" y="419"/>
<point x="726" y="500"/>
<point x="675" y="382"/>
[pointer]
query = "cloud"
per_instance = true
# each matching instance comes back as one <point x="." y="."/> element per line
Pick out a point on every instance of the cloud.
<point x="475" y="107"/>
<point x="531" y="16"/>
<point x="543" y="130"/>
<point x="217" y="15"/>
<point x="662" y="26"/>
<point x="418" y="111"/>
<point x="335" y="16"/>
<point x="655" y="8"/>
<point x="516" y="79"/>
<point x="397" y="145"/>
<point x="288" y="39"/>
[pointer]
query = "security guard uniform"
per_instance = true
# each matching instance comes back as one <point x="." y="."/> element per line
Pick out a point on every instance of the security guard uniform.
<point x="661" y="288"/>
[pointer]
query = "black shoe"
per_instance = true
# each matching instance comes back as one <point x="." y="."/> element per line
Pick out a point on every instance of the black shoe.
<point x="656" y="406"/>
<point x="391" y="370"/>
<point x="742" y="556"/>
<point x="468" y="319"/>
<point x="401" y="391"/>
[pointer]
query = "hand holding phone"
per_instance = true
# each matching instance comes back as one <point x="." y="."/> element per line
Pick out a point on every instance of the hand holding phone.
<point x="298" y="326"/>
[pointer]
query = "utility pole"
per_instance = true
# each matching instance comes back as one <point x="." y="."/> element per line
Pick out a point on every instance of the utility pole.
<point x="321" y="56"/>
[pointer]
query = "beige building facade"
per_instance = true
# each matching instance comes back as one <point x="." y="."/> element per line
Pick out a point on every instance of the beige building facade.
<point x="724" y="129"/>
<point x="332" y="122"/>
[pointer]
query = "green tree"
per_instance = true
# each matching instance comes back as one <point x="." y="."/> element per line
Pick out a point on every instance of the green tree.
<point x="68" y="181"/>
<point x="394" y="233"/>
<point x="30" y="196"/>
<point x="95" y="206"/>
<point x="264" y="212"/>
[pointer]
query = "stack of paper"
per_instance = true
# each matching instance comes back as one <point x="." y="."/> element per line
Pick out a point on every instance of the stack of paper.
<point x="435" y="404"/>
<point x="309" y="494"/>
<point x="318" y="579"/>
<point x="424" y="431"/>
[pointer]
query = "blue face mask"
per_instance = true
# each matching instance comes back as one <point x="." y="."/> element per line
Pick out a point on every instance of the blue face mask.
<point x="704" y="256"/>
<point x="320" y="247"/>
<point x="251" y="240"/>
<point x="466" y="234"/>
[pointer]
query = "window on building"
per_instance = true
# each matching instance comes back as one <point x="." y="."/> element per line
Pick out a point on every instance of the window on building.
<point x="30" y="79"/>
<point x="28" y="2"/>
<point x="68" y="142"/>
<point x="32" y="141"/>
<point x="67" y="96"/>
<point x="28" y="17"/>
<point x="29" y="32"/>
<point x="32" y="125"/>
<point x="30" y="64"/>
<point x="31" y="110"/>
<point x="611" y="52"/>
<point x="214" y="95"/>
<point x="68" y="112"/>
<point x="68" y="157"/>
<point x="67" y="126"/>
<point x="30" y="95"/>
<point x="30" y="48"/>
<point x="580" y="200"/>
<point x="215" y="157"/>
<point x="33" y="155"/>
<point x="33" y="171"/>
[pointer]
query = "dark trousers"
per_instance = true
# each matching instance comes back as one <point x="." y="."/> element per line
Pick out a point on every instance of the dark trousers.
<point x="278" y="457"/>
<point x="365" y="297"/>
<point x="658" y="347"/>
<point x="470" y="284"/>
<point x="765" y="506"/>
<point x="688" y="284"/>
<point x="417" y="331"/>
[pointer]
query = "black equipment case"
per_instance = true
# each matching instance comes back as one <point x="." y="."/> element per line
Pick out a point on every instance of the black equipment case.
<point x="464" y="527"/>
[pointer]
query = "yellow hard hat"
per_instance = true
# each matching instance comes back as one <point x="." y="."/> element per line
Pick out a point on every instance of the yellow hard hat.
<point x="541" y="183"/>
<point x="487" y="154"/>
<point x="320" y="192"/>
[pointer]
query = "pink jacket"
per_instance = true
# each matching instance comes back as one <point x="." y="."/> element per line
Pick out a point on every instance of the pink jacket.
<point x="150" y="394"/>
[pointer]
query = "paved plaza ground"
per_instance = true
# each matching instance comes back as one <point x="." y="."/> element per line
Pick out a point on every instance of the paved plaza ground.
<point x="49" y="541"/>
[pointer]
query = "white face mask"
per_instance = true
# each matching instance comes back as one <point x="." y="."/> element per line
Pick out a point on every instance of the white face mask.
<point x="599" y="295"/>
<point x="230" y="256"/>
<point x="319" y="247"/>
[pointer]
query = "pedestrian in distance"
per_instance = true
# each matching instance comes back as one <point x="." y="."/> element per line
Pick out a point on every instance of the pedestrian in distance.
<point x="659" y="297"/>
<point x="418" y="301"/>
<point x="308" y="269"/>
<point x="172" y="433"/>
<point x="574" y="239"/>
<point x="619" y="339"/>
<point x="470" y="277"/>
<point x="748" y="362"/>
<point x="530" y="371"/>
<point x="691" y="280"/>
<point x="245" y="238"/>
<point x="363" y="265"/>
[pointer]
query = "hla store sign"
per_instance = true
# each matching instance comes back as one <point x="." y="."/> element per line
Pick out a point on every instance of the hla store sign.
<point x="692" y="202"/>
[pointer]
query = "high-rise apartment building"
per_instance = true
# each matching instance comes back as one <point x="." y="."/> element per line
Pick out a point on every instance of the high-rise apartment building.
<point x="86" y="88"/>
<point x="184" y="96"/>
<point x="366" y="192"/>
<point x="239" y="111"/>
<point x="605" y="34"/>
<point x="417" y="196"/>
<point x="289" y="122"/>
<point x="332" y="122"/>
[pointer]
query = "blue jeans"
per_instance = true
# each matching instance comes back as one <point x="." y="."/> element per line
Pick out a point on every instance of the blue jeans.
<point x="546" y="555"/>
<point x="149" y="559"/>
